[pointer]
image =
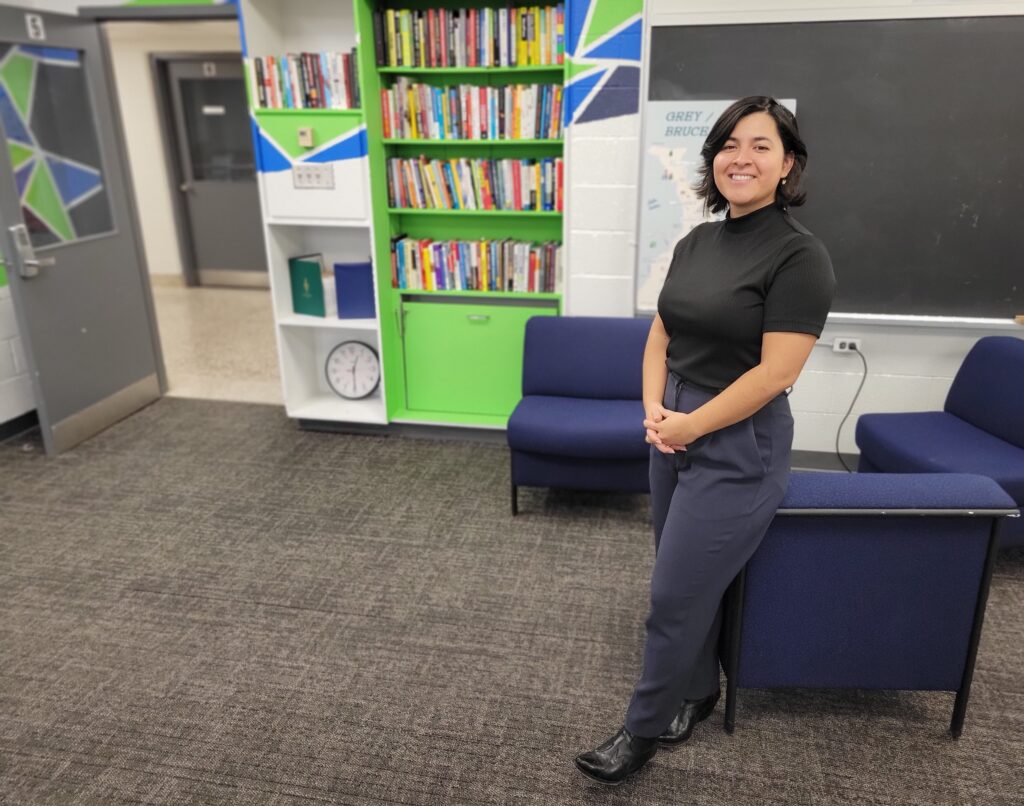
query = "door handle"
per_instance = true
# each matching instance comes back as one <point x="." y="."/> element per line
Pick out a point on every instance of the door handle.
<point x="30" y="267"/>
<point x="28" y="263"/>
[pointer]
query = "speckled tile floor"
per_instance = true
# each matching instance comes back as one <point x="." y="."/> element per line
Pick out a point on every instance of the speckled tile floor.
<point x="218" y="343"/>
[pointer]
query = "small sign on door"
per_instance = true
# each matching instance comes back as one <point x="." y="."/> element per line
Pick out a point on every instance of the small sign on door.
<point x="34" y="27"/>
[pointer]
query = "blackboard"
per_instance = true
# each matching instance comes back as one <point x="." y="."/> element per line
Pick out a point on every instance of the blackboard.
<point x="915" y="130"/>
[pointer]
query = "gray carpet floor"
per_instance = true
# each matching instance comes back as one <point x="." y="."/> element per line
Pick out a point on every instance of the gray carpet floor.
<point x="206" y="605"/>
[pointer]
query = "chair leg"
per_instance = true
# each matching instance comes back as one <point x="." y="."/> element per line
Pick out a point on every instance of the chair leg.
<point x="956" y="725"/>
<point x="515" y="500"/>
<point x="734" y="624"/>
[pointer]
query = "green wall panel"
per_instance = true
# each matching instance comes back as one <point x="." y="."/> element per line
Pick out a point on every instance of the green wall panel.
<point x="609" y="15"/>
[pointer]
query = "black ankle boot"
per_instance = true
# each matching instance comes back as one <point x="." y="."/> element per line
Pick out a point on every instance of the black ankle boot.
<point x="690" y="713"/>
<point x="618" y="758"/>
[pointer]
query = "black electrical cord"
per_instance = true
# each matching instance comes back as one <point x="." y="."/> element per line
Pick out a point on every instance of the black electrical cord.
<point x="853" y="403"/>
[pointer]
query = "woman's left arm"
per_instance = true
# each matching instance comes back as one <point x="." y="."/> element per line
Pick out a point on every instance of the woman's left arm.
<point x="783" y="356"/>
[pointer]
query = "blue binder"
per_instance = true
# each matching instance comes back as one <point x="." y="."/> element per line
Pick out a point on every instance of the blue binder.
<point x="354" y="286"/>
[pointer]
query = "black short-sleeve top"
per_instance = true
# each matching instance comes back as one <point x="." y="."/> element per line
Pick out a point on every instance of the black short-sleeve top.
<point x="730" y="281"/>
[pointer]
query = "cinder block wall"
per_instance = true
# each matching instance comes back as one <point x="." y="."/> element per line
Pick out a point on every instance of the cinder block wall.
<point x="16" y="396"/>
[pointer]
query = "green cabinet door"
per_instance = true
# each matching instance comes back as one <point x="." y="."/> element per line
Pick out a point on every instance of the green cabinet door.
<point x="465" y="358"/>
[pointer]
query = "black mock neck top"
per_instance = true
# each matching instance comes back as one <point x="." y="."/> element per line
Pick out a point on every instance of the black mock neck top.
<point x="730" y="281"/>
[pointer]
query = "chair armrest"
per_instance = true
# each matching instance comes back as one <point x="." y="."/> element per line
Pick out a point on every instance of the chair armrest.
<point x="896" y="494"/>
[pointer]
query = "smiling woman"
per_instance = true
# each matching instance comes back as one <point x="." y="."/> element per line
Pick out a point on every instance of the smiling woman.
<point x="742" y="305"/>
<point x="757" y="140"/>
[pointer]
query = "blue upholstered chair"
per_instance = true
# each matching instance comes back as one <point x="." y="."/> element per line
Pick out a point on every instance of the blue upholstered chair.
<point x="980" y="430"/>
<point x="579" y="424"/>
<point x="867" y="581"/>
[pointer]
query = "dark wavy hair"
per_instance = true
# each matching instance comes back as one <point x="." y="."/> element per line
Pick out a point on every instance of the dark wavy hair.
<point x="790" y="194"/>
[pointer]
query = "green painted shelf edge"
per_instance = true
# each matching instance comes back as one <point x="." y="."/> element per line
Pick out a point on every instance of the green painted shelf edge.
<point x="468" y="213"/>
<point x="467" y="71"/>
<point x="340" y="112"/>
<point x="449" y="418"/>
<point x="435" y="142"/>
<point x="539" y="295"/>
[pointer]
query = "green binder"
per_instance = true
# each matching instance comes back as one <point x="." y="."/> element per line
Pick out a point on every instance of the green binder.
<point x="306" y="273"/>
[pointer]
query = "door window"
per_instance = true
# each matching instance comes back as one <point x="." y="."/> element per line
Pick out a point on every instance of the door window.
<point x="52" y="143"/>
<point x="219" y="136"/>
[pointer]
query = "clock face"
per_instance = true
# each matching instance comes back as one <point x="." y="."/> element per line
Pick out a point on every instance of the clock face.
<point x="353" y="370"/>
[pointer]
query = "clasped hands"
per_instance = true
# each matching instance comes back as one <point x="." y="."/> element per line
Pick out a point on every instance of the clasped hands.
<point x="669" y="431"/>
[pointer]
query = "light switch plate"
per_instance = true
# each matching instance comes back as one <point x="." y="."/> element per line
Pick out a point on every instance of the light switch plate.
<point x="306" y="136"/>
<point x="313" y="176"/>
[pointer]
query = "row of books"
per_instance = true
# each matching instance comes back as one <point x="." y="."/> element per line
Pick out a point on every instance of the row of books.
<point x="473" y="37"/>
<point x="476" y="184"/>
<point x="485" y="265"/>
<point x="304" y="81"/>
<point x="470" y="112"/>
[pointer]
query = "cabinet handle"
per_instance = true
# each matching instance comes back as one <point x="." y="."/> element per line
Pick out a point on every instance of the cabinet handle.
<point x="478" y="317"/>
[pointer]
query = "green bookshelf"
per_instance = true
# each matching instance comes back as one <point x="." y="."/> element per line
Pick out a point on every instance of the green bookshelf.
<point x="422" y="141"/>
<point x="510" y="74"/>
<point x="355" y="114"/>
<point x="450" y="357"/>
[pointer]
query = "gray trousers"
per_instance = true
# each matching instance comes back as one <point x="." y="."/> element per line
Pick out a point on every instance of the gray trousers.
<point x="711" y="506"/>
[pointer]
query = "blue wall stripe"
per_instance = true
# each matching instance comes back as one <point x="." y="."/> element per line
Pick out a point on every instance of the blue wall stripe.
<point x="578" y="92"/>
<point x="624" y="45"/>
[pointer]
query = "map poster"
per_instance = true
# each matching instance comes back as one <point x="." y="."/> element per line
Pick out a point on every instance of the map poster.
<point x="674" y="132"/>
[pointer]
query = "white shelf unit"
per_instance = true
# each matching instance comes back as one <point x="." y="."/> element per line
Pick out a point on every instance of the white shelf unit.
<point x="335" y="223"/>
<point x="306" y="393"/>
<point x="305" y="341"/>
<point x="276" y="27"/>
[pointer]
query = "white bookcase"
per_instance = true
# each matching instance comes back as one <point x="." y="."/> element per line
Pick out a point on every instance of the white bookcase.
<point x="300" y="221"/>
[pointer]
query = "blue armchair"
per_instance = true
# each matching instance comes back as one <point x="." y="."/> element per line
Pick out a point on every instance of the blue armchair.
<point x="579" y="424"/>
<point x="980" y="430"/>
<point x="867" y="581"/>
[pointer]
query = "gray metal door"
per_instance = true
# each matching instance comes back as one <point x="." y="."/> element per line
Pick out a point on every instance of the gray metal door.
<point x="218" y="171"/>
<point x="78" y="279"/>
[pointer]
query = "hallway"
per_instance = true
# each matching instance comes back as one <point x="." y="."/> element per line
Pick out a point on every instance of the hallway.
<point x="218" y="343"/>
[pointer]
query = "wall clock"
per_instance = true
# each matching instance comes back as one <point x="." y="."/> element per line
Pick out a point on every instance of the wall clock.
<point x="353" y="370"/>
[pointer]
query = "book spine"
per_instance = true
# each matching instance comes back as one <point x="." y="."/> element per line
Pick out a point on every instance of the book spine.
<point x="321" y="83"/>
<point x="260" y="97"/>
<point x="389" y="38"/>
<point x="560" y="190"/>
<point x="324" y="74"/>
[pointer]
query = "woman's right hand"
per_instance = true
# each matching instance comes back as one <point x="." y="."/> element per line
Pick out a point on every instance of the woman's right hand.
<point x="655" y="413"/>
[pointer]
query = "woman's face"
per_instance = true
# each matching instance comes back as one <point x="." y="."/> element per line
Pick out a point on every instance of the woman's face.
<point x="751" y="164"/>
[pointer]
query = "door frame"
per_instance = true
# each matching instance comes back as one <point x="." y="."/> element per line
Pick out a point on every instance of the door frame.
<point x="121" y="148"/>
<point x="159" y="67"/>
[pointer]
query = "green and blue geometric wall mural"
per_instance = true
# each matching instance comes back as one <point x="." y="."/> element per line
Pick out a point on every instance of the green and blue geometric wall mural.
<point x="52" y="144"/>
<point x="603" y="43"/>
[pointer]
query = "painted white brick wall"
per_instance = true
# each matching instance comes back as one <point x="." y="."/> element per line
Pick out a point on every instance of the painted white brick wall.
<point x="603" y="168"/>
<point x="16" y="396"/>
